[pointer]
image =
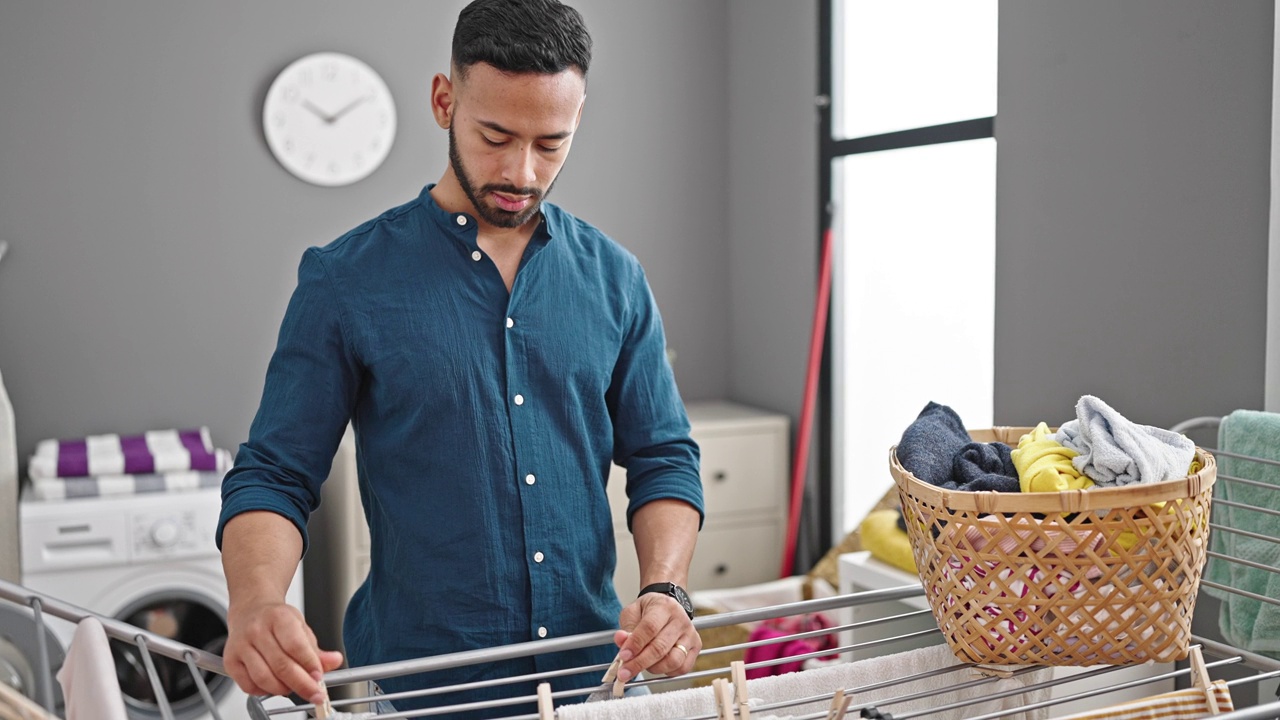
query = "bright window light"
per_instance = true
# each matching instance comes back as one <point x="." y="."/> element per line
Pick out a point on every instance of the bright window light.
<point x="913" y="63"/>
<point x="916" y="301"/>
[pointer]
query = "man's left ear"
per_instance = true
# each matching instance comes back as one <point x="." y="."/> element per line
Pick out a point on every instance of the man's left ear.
<point x="578" y="120"/>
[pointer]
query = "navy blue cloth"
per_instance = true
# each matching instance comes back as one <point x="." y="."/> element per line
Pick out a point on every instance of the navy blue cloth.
<point x="937" y="449"/>
<point x="485" y="424"/>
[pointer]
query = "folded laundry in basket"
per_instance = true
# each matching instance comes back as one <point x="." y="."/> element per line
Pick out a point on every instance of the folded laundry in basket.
<point x="111" y="485"/>
<point x="937" y="449"/>
<point x="157" y="451"/>
<point x="1117" y="451"/>
<point x="1245" y="622"/>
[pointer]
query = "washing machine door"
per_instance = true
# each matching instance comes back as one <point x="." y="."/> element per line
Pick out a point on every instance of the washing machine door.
<point x="20" y="656"/>
<point x="180" y="615"/>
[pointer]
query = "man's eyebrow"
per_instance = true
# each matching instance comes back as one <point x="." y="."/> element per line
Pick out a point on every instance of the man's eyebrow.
<point x="498" y="128"/>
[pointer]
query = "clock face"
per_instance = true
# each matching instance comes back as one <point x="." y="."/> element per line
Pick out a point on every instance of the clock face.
<point x="329" y="119"/>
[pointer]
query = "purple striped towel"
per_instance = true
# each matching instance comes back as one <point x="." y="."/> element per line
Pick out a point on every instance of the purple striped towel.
<point x="158" y="451"/>
<point x="74" y="488"/>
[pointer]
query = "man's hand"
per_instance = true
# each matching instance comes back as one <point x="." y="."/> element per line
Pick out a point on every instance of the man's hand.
<point x="657" y="636"/>
<point x="271" y="651"/>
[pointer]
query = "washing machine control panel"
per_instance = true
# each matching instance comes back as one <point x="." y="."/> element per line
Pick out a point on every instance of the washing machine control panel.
<point x="170" y="533"/>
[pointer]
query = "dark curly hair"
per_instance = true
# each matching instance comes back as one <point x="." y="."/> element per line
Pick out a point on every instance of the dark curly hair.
<point x="521" y="36"/>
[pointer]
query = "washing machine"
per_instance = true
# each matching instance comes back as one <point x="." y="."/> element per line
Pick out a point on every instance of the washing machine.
<point x="148" y="560"/>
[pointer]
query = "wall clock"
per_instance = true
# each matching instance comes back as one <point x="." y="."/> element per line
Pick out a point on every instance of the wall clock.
<point x="329" y="119"/>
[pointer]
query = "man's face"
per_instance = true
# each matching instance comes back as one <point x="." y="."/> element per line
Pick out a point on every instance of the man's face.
<point x="509" y="136"/>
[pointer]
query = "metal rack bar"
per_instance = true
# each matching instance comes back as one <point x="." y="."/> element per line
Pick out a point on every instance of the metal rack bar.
<point x="162" y="700"/>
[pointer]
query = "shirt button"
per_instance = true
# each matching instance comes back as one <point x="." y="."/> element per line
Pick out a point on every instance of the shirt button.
<point x="511" y="323"/>
<point x="519" y="399"/>
<point x="476" y="255"/>
<point x="462" y="219"/>
<point x="529" y="479"/>
<point x="537" y="557"/>
<point x="542" y="632"/>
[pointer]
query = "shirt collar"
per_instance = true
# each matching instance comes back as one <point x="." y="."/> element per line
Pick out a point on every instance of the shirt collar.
<point x="463" y="225"/>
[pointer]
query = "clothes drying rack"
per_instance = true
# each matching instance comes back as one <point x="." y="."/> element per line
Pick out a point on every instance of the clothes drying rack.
<point x="198" y="661"/>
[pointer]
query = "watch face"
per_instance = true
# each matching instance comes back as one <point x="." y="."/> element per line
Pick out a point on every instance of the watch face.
<point x="329" y="119"/>
<point x="681" y="597"/>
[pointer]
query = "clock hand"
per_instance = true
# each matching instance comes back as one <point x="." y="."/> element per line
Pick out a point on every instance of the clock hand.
<point x="349" y="107"/>
<point x="318" y="112"/>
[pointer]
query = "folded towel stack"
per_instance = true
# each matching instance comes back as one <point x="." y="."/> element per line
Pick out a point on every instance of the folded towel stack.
<point x="156" y="461"/>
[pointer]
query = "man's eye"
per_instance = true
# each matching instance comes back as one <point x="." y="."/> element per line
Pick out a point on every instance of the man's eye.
<point x="492" y="142"/>
<point x="549" y="148"/>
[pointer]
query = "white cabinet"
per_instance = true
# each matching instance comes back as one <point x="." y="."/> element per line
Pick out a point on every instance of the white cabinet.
<point x="744" y="483"/>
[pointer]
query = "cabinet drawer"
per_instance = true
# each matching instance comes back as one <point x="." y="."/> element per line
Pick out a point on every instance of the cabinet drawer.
<point x="736" y="555"/>
<point x="726" y="556"/>
<point x="743" y="472"/>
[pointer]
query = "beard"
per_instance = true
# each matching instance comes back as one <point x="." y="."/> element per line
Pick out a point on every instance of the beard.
<point x="495" y="216"/>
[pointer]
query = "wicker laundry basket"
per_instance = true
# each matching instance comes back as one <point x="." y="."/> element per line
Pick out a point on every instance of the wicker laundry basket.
<point x="1105" y="576"/>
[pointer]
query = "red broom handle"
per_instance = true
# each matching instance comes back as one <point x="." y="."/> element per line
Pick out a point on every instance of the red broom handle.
<point x="800" y="462"/>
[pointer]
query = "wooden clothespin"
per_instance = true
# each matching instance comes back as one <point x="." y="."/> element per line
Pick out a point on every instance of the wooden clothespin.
<point x="546" y="711"/>
<point x="738" y="671"/>
<point x="323" y="708"/>
<point x="611" y="676"/>
<point x="839" y="706"/>
<point x="723" y="697"/>
<point x="1201" y="681"/>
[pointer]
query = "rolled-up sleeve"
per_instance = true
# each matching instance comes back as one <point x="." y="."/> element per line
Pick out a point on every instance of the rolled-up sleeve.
<point x="307" y="400"/>
<point x="651" y="429"/>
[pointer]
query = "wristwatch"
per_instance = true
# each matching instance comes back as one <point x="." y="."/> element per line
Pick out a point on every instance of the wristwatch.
<point x="672" y="591"/>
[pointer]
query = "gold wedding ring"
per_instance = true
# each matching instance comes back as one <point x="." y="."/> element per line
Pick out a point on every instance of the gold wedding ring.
<point x="682" y="648"/>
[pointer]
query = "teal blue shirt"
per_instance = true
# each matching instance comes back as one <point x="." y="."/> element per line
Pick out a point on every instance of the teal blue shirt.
<point x="485" y="423"/>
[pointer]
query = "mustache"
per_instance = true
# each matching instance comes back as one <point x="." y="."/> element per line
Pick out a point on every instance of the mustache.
<point x="512" y="190"/>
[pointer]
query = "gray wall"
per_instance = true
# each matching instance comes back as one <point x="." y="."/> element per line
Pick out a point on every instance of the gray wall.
<point x="773" y="182"/>
<point x="154" y="241"/>
<point x="1133" y="190"/>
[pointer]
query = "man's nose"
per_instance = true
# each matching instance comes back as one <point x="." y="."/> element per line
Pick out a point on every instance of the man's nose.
<point x="519" y="170"/>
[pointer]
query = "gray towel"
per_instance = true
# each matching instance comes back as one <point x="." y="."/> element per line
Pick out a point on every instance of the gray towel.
<point x="937" y="449"/>
<point x="1116" y="451"/>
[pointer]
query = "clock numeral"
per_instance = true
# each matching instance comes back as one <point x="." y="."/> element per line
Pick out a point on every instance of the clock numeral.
<point x="305" y="77"/>
<point x="278" y="119"/>
<point x="288" y="146"/>
<point x="330" y="71"/>
<point x="291" y="93"/>
<point x="377" y="143"/>
<point x="311" y="159"/>
<point x="333" y="168"/>
<point x="357" y="160"/>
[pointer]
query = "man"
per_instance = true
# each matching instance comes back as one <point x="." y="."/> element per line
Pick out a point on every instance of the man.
<point x="494" y="354"/>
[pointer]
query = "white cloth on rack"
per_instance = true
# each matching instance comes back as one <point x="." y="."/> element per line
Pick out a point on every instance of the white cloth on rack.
<point x="88" y="676"/>
<point x="848" y="676"/>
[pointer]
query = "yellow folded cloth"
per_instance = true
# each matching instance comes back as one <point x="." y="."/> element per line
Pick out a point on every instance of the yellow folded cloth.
<point x="882" y="537"/>
<point x="1044" y="464"/>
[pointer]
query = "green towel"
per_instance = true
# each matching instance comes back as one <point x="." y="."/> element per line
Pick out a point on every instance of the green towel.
<point x="1248" y="623"/>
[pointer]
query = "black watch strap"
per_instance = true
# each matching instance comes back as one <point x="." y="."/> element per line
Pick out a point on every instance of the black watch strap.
<point x="673" y="591"/>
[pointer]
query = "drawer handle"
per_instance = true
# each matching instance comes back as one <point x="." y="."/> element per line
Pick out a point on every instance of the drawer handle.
<point x="721" y="476"/>
<point x="722" y="569"/>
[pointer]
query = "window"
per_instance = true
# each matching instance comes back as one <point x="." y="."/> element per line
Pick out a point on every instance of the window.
<point x="910" y="156"/>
